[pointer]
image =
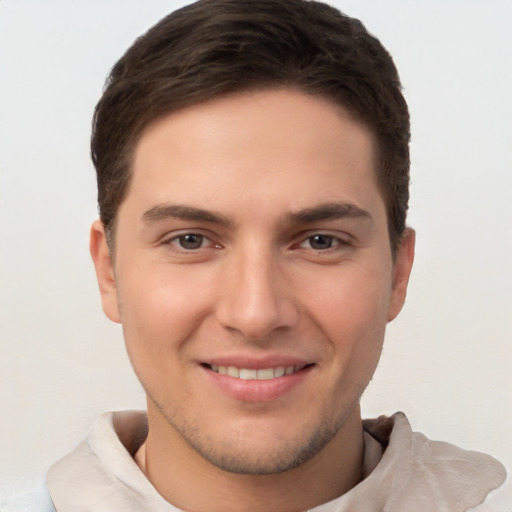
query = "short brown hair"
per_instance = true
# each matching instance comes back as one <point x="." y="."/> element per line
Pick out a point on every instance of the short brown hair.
<point x="216" y="47"/>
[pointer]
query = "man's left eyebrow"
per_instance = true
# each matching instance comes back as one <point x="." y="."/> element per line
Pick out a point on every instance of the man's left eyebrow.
<point x="330" y="211"/>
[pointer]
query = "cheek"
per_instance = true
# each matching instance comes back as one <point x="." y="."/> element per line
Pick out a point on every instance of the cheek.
<point x="158" y="312"/>
<point x="355" y="300"/>
<point x="351" y="310"/>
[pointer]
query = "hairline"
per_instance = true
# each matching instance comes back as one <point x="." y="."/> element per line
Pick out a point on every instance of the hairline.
<point x="128" y="153"/>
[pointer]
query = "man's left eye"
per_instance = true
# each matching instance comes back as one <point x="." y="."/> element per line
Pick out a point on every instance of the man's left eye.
<point x="320" y="242"/>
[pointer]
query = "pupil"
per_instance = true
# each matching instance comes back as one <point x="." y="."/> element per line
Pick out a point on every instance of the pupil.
<point x="321" y="242"/>
<point x="191" y="241"/>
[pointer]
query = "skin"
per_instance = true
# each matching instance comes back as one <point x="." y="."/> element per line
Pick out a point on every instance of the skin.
<point x="288" y="260"/>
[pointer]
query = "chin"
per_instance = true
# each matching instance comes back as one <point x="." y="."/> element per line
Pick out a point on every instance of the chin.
<point x="263" y="453"/>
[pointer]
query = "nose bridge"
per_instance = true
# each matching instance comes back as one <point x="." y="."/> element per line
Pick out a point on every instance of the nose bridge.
<point x="256" y="298"/>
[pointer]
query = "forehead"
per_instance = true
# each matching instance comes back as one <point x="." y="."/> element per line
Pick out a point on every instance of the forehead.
<point x="281" y="148"/>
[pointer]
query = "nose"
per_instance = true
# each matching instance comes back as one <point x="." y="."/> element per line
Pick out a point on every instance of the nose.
<point x="256" y="296"/>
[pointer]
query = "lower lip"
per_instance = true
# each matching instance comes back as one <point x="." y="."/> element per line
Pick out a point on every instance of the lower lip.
<point x="256" y="390"/>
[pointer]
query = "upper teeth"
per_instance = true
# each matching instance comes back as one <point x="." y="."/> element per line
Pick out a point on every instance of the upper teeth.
<point x="251" y="374"/>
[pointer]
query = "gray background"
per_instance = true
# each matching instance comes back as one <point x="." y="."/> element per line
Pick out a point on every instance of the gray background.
<point x="447" y="358"/>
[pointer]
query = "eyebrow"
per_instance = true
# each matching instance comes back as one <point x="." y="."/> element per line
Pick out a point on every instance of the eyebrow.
<point x="324" y="211"/>
<point x="330" y="211"/>
<point x="176" y="211"/>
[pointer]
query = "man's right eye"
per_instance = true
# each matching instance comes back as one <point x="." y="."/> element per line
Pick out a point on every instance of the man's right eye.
<point x="190" y="241"/>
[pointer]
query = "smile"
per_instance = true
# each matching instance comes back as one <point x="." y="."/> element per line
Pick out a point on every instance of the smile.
<point x="253" y="374"/>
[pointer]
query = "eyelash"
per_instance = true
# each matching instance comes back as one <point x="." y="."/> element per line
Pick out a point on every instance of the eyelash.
<point x="334" y="242"/>
<point x="179" y="238"/>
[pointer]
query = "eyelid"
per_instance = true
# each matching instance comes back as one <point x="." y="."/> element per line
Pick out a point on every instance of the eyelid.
<point x="175" y="235"/>
<point x="343" y="239"/>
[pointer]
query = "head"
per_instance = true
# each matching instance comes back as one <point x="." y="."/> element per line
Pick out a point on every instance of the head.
<point x="214" y="48"/>
<point x="252" y="161"/>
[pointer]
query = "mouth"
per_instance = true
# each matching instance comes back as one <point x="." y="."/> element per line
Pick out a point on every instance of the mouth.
<point x="255" y="374"/>
<point x="257" y="381"/>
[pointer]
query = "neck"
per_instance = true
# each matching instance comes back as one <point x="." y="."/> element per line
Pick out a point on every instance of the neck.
<point x="190" y="482"/>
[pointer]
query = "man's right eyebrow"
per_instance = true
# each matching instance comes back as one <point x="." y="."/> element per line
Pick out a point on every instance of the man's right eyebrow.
<point x="177" y="211"/>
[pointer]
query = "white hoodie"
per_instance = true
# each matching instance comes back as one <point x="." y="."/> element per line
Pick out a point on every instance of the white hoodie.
<point x="405" y="472"/>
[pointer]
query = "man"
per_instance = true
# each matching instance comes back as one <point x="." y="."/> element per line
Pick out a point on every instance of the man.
<point x="252" y="163"/>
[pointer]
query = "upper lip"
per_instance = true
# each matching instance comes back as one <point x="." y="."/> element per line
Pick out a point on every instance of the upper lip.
<point x="257" y="363"/>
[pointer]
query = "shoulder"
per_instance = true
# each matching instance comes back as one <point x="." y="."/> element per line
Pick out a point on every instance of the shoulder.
<point x="499" y="500"/>
<point x="37" y="500"/>
<point x="437" y="473"/>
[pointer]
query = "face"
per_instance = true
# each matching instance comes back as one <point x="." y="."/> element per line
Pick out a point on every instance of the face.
<point x="253" y="275"/>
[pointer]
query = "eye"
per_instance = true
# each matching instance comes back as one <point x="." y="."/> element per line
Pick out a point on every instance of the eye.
<point x="321" y="242"/>
<point x="190" y="241"/>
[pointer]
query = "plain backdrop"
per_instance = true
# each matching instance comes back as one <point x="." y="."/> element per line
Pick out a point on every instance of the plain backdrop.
<point x="447" y="359"/>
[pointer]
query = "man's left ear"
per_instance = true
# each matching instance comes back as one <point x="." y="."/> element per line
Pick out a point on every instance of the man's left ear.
<point x="402" y="270"/>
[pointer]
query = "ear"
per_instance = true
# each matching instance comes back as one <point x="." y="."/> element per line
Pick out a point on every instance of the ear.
<point x="401" y="272"/>
<point x="105" y="275"/>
